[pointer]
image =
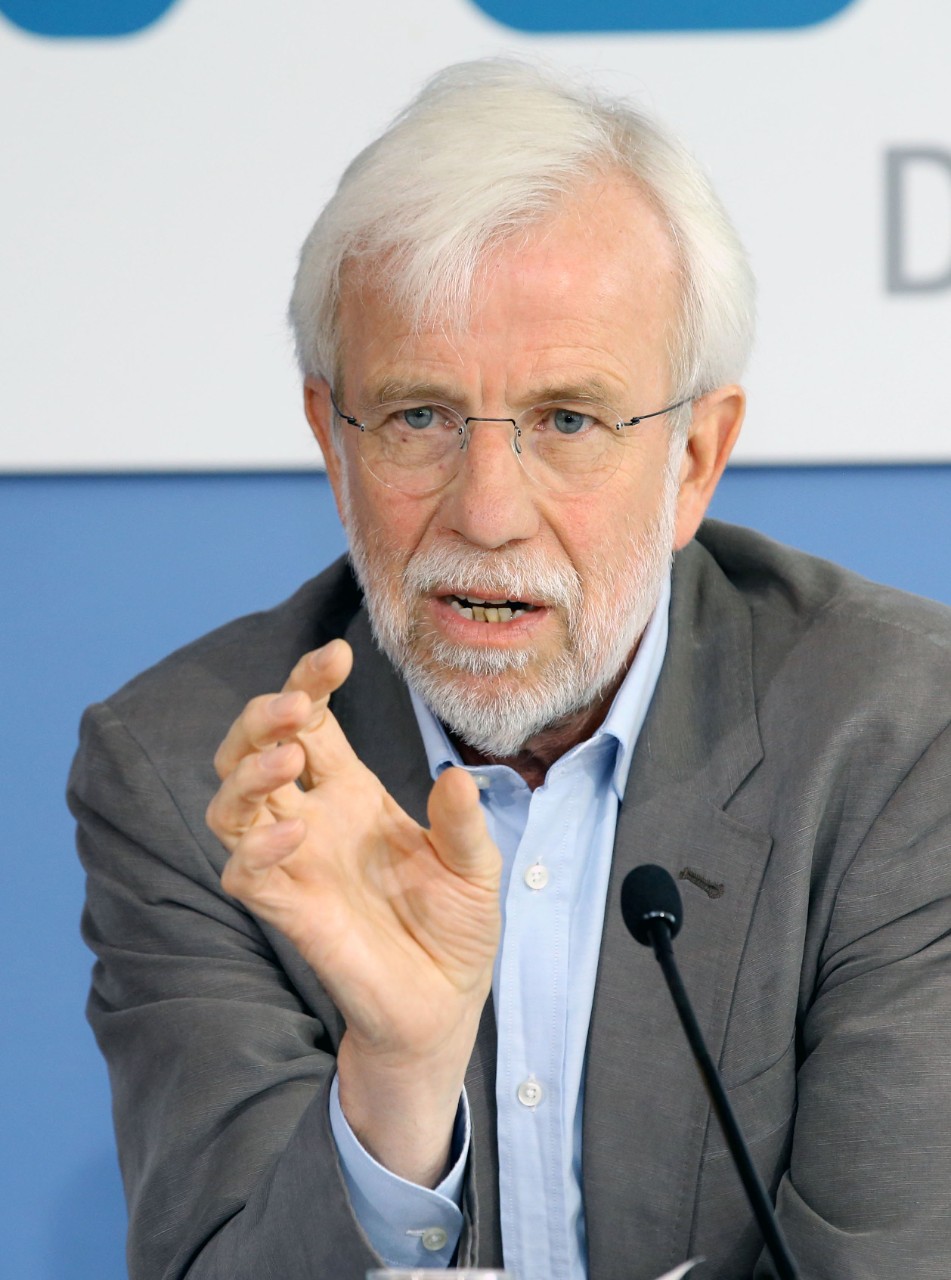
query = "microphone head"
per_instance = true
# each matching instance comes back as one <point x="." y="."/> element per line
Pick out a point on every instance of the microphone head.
<point x="649" y="893"/>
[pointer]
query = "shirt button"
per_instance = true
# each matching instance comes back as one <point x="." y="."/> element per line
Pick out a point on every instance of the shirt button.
<point x="483" y="782"/>
<point x="434" y="1239"/>
<point x="536" y="877"/>
<point x="530" y="1092"/>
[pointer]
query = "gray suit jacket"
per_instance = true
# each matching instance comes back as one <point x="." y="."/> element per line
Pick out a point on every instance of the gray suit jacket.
<point x="793" y="771"/>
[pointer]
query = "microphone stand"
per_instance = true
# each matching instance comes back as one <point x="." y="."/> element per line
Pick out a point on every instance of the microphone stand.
<point x="659" y="929"/>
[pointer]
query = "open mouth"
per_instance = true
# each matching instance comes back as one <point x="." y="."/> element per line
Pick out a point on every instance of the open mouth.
<point x="489" y="610"/>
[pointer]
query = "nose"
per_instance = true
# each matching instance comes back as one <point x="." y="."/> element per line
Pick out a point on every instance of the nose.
<point x="491" y="500"/>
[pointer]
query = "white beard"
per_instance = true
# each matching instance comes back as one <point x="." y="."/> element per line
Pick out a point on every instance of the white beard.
<point x="491" y="698"/>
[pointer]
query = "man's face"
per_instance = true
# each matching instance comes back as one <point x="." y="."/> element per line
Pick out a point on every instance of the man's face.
<point x="589" y="303"/>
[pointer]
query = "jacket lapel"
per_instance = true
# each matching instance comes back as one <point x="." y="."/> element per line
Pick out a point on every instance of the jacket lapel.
<point x="646" y="1113"/>
<point x="375" y="712"/>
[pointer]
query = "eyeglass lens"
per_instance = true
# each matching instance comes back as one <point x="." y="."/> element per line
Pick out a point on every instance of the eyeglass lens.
<point x="419" y="448"/>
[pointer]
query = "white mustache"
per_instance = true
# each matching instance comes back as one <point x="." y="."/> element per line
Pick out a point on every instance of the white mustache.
<point x="503" y="574"/>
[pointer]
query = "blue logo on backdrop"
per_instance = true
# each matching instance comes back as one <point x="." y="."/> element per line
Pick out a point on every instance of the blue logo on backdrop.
<point x="660" y="15"/>
<point x="85" y="18"/>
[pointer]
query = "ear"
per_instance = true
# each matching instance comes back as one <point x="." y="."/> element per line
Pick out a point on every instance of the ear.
<point x="717" y="418"/>
<point x="319" y="413"/>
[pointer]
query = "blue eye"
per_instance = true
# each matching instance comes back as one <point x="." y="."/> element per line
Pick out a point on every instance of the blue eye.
<point x="418" y="417"/>
<point x="569" y="421"/>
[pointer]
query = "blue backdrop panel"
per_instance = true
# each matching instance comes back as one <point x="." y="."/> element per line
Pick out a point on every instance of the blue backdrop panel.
<point x="102" y="576"/>
<point x="661" y="15"/>
<point x="88" y="19"/>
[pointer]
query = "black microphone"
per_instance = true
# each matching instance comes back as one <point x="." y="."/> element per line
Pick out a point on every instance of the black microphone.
<point x="649" y="894"/>
<point x="653" y="913"/>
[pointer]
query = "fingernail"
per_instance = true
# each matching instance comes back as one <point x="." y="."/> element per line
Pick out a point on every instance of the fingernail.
<point x="283" y="704"/>
<point x="287" y="832"/>
<point x="275" y="757"/>
<point x="319" y="656"/>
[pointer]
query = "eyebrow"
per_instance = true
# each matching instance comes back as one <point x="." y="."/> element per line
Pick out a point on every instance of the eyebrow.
<point x="592" y="389"/>
<point x="391" y="389"/>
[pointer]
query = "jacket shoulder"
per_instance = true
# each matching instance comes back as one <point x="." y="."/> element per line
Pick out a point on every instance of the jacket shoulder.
<point x="840" y="668"/>
<point x="790" y="591"/>
<point x="205" y="683"/>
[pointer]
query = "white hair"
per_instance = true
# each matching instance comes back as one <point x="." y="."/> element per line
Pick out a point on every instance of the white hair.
<point x="487" y="149"/>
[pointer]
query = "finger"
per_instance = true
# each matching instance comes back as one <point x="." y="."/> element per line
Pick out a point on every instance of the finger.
<point x="326" y="747"/>
<point x="303" y="701"/>
<point x="258" y="852"/>
<point x="264" y="722"/>
<point x="457" y="828"/>
<point x="322" y="671"/>
<point x="241" y="800"/>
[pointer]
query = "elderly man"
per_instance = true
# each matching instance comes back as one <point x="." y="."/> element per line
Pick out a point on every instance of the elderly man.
<point x="389" y="1009"/>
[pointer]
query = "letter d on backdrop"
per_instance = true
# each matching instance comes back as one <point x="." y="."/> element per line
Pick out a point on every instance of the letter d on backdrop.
<point x="900" y="165"/>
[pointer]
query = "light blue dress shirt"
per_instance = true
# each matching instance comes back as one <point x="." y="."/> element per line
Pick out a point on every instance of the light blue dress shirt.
<point x="556" y="844"/>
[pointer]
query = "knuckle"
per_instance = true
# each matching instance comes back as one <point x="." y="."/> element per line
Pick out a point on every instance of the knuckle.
<point x="211" y="814"/>
<point x="253" y="773"/>
<point x="255" y="720"/>
<point x="231" y="878"/>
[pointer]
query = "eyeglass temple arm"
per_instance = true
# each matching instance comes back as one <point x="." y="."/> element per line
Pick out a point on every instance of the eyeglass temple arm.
<point x="347" y="417"/>
<point x="658" y="413"/>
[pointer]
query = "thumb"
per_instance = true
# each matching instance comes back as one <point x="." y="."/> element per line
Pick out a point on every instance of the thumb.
<point x="458" y="831"/>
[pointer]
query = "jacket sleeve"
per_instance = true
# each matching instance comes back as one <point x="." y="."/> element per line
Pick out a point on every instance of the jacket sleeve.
<point x="866" y="1193"/>
<point x="220" y="1072"/>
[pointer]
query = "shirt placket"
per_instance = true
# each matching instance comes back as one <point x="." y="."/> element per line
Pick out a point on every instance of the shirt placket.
<point x="532" y="999"/>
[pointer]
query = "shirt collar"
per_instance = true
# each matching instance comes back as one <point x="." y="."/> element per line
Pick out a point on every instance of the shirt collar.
<point x="623" y="721"/>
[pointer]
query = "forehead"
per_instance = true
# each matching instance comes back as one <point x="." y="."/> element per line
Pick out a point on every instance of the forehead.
<point x="594" y="289"/>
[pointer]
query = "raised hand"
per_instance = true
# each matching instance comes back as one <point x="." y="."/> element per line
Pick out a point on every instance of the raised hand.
<point x="401" y="924"/>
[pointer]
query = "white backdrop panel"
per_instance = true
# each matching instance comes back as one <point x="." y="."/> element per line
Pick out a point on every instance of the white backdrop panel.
<point x="156" y="189"/>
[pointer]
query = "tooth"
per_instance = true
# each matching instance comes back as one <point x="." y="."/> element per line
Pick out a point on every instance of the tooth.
<point x="454" y="604"/>
<point x="478" y="613"/>
<point x="505" y="615"/>
<point x="466" y="613"/>
<point x="491" y="615"/>
<point x="474" y="600"/>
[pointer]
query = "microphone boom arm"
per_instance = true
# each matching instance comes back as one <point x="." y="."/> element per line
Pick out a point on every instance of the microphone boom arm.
<point x="657" y="926"/>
